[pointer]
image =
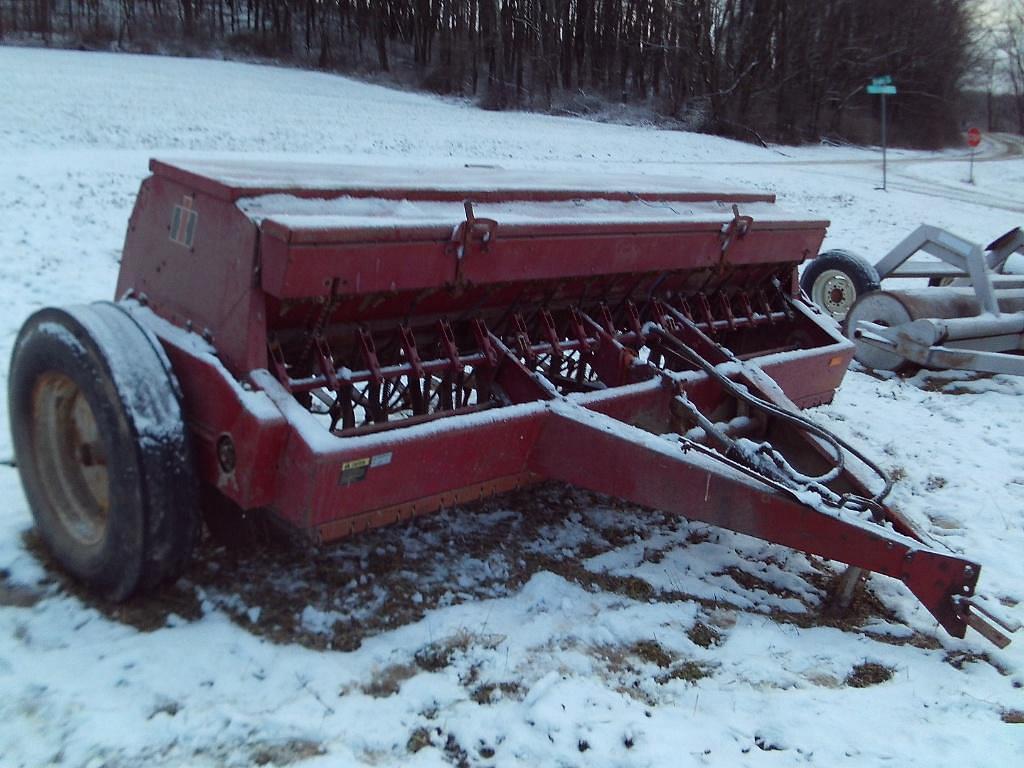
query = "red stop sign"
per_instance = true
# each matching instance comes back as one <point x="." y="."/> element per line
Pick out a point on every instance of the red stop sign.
<point x="973" y="137"/>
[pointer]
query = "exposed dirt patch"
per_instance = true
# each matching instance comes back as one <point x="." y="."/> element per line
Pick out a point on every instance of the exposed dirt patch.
<point x="435" y="657"/>
<point x="146" y="613"/>
<point x="698" y="536"/>
<point x="766" y="743"/>
<point x="454" y="753"/>
<point x="632" y="587"/>
<point x="868" y="673"/>
<point x="621" y="665"/>
<point x="335" y="596"/>
<point x="418" y="739"/>
<point x="388" y="681"/>
<point x="864" y="608"/>
<point x="277" y="752"/>
<point x="703" y="635"/>
<point x="824" y="679"/>
<point x="285" y="753"/>
<point x="18" y="595"/>
<point x="652" y="652"/>
<point x="960" y="659"/>
<point x="690" y="671"/>
<point x="752" y="582"/>
<point x="488" y="693"/>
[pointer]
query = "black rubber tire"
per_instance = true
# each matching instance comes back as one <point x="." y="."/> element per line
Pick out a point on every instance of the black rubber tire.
<point x="861" y="275"/>
<point x="149" y="512"/>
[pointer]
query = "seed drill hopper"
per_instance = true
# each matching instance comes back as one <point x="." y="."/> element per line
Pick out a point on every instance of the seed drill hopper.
<point x="350" y="347"/>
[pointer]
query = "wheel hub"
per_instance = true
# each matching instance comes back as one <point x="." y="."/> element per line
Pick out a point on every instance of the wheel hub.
<point x="834" y="291"/>
<point x="71" y="457"/>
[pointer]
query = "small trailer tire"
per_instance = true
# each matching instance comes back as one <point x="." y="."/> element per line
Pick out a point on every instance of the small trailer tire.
<point x="102" y="448"/>
<point x="835" y="279"/>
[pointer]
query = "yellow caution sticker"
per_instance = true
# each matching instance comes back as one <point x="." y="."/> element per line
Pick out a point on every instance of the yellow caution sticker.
<point x="354" y="471"/>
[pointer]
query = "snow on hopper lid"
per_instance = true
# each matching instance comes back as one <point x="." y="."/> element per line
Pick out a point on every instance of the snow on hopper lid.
<point x="232" y="178"/>
<point x="302" y="219"/>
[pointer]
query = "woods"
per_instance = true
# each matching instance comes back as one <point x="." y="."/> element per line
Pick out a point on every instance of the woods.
<point x="759" y="70"/>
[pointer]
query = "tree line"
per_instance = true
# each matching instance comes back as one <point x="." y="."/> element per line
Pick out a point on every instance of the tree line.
<point x="764" y="70"/>
<point x="1004" y="64"/>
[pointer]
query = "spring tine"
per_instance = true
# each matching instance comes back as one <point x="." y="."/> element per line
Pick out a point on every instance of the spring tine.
<point x="326" y="361"/>
<point x="705" y="310"/>
<point x="748" y="310"/>
<point x="684" y="308"/>
<point x="369" y="355"/>
<point x="483" y="340"/>
<point x="727" y="309"/>
<point x="633" y="318"/>
<point x="447" y="340"/>
<point x="548" y="323"/>
<point x="412" y="355"/>
<point x="784" y="301"/>
<point x="280" y="368"/>
<point x="577" y="328"/>
<point x="764" y="306"/>
<point x="522" y="339"/>
<point x="662" y="314"/>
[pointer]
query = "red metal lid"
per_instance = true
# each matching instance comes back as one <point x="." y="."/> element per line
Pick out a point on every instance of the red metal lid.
<point x="231" y="179"/>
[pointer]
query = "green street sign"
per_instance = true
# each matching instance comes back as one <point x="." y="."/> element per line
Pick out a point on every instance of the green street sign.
<point x="882" y="90"/>
<point x="883" y="80"/>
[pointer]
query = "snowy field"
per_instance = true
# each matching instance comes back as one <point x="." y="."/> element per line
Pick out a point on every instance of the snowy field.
<point x="548" y="628"/>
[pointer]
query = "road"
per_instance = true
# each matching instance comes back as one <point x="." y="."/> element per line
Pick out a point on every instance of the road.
<point x="995" y="148"/>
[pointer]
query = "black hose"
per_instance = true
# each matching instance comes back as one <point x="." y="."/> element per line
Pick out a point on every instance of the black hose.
<point x="798" y="421"/>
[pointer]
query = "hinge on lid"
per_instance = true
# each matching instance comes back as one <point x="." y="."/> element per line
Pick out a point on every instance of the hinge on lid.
<point x="472" y="234"/>
<point x="736" y="228"/>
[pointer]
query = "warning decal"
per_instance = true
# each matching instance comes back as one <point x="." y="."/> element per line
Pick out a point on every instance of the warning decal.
<point x="183" y="222"/>
<point x="354" y="471"/>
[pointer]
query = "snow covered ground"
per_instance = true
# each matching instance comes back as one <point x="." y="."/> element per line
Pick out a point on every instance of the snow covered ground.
<point x="548" y="628"/>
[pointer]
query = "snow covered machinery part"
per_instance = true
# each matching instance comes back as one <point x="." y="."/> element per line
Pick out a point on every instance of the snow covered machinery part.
<point x="969" y="317"/>
<point x="345" y="347"/>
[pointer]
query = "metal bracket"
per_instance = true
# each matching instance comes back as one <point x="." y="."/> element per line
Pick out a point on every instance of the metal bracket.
<point x="985" y="620"/>
<point x="737" y="228"/>
<point x="473" y="233"/>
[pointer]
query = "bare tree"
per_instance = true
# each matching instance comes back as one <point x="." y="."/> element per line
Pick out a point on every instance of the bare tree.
<point x="786" y="70"/>
<point x="1011" y="45"/>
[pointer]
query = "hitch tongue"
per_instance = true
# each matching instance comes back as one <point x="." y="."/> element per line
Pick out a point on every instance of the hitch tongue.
<point x="985" y="620"/>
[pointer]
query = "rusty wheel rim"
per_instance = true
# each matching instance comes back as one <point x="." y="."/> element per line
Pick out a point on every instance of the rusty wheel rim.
<point x="71" y="458"/>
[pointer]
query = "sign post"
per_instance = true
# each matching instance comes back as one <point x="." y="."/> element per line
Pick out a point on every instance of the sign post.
<point x="973" y="140"/>
<point x="882" y="86"/>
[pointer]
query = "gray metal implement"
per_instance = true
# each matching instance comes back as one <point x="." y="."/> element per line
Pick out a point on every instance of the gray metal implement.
<point x="975" y="324"/>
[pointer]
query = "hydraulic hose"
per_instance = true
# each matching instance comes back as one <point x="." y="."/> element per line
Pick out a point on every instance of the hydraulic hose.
<point x="795" y="420"/>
